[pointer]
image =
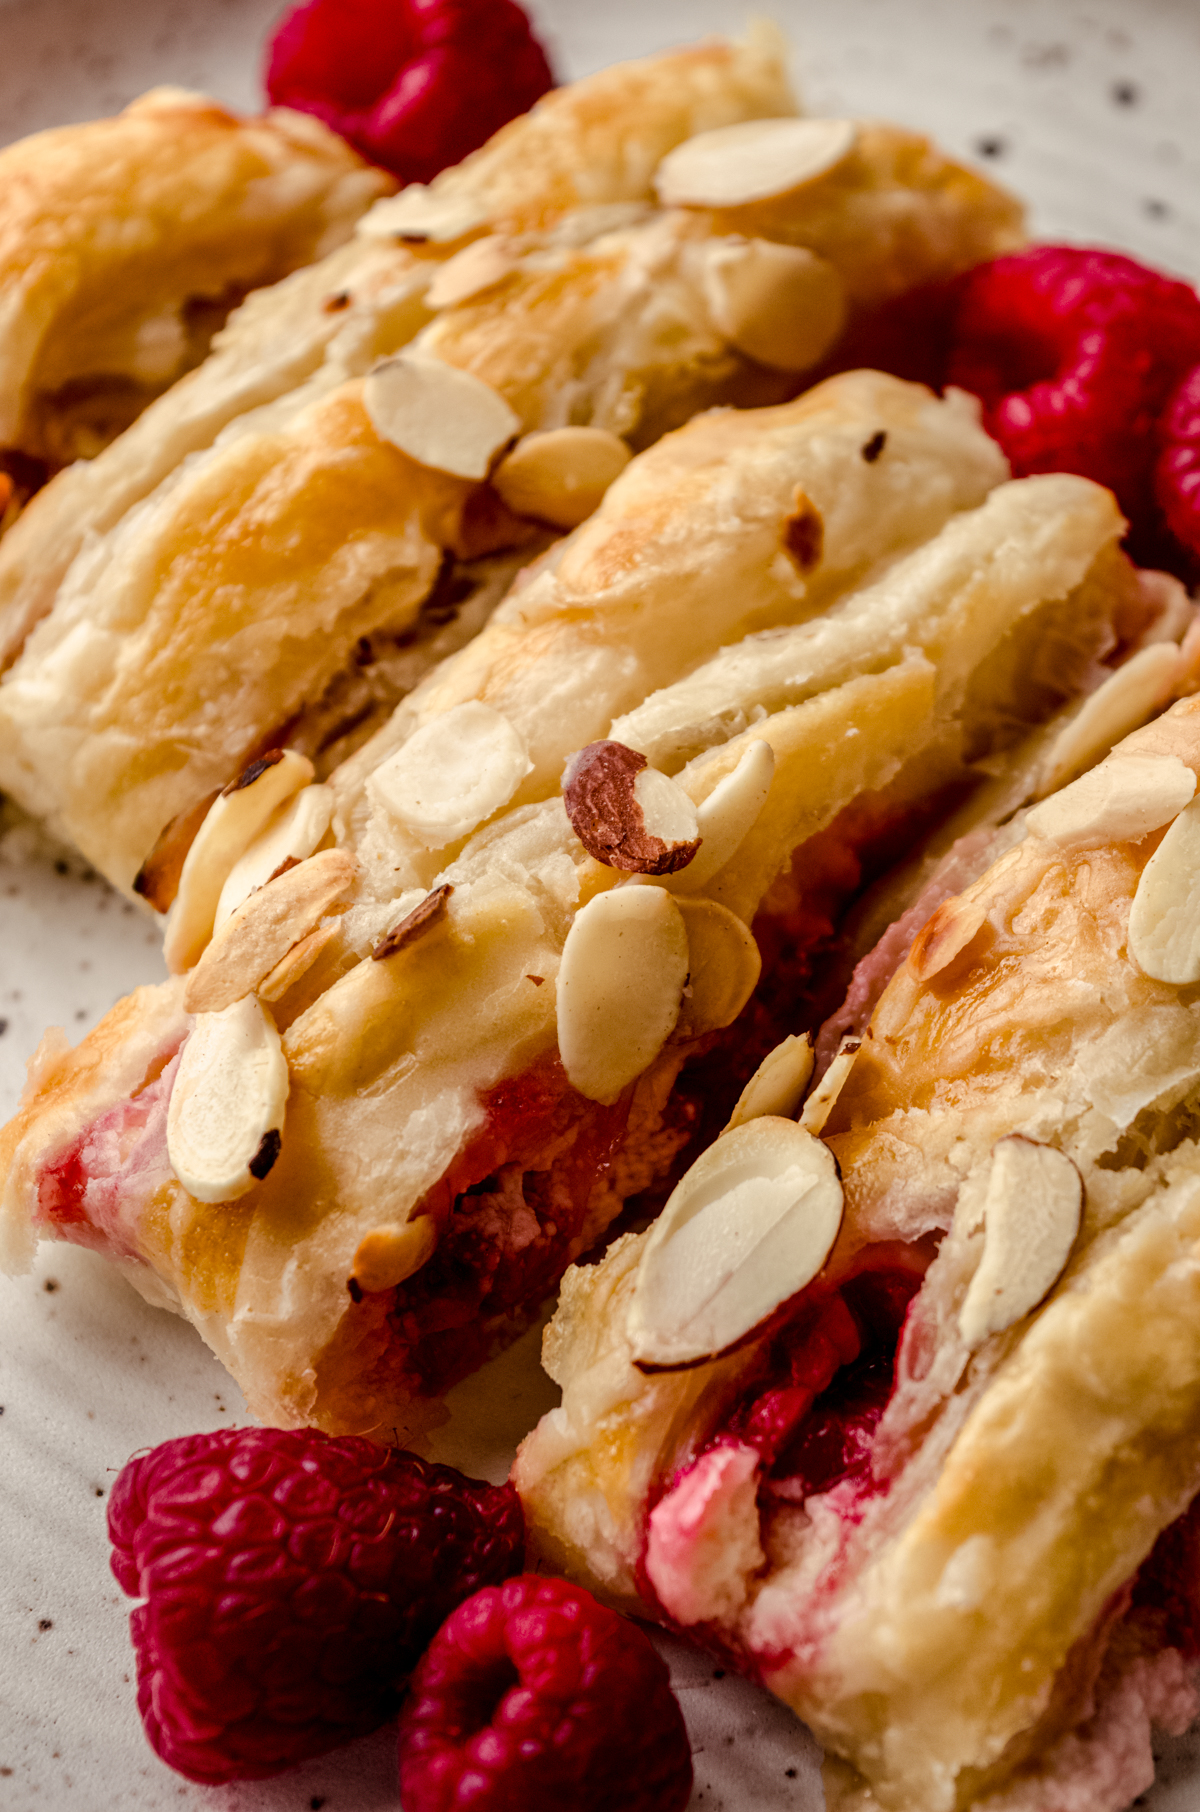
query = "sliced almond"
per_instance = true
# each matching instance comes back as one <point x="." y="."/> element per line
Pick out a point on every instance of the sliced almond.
<point x="291" y="834"/>
<point x="750" y="1224"/>
<point x="778" y="1084"/>
<point x="423" y="214"/>
<point x="438" y="415"/>
<point x="295" y="965"/>
<point x="727" y="816"/>
<point x="1127" y="699"/>
<point x="756" y="160"/>
<point x="477" y="267"/>
<point x="1124" y="798"/>
<point x="414" y="924"/>
<point x="724" y="965"/>
<point x="257" y="937"/>
<point x="233" y="821"/>
<point x="560" y="475"/>
<point x="626" y="814"/>
<point x="1164" y="919"/>
<point x="779" y="304"/>
<point x="821" y="1102"/>
<point x="1031" y="1214"/>
<point x="388" y="1255"/>
<point x="944" y="936"/>
<point x="451" y="774"/>
<point x="225" y="1116"/>
<point x="620" y="983"/>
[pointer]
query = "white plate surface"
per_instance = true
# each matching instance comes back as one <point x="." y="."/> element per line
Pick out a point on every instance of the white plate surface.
<point x="1088" y="110"/>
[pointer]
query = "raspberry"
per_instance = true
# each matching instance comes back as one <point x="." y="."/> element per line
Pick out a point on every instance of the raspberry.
<point x="292" y="1581"/>
<point x="1177" y="473"/>
<point x="532" y="1698"/>
<point x="1073" y="353"/>
<point x="412" y="84"/>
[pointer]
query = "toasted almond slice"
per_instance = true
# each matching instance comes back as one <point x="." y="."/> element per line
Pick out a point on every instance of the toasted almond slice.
<point x="1126" y="699"/>
<point x="388" y="1255"/>
<point x="620" y="983"/>
<point x="234" y="820"/>
<point x="264" y="928"/>
<point x="749" y="1225"/>
<point x="724" y="965"/>
<point x="756" y="160"/>
<point x="476" y="268"/>
<point x="451" y="774"/>
<point x="778" y="1084"/>
<point x="560" y="475"/>
<point x="820" y="1103"/>
<point x="727" y="816"/>
<point x="438" y="415"/>
<point x="626" y="814"/>
<point x="225" y="1116"/>
<point x="945" y="935"/>
<point x="290" y="834"/>
<point x="779" y="304"/>
<point x="1164" y="919"/>
<point x="296" y="963"/>
<point x="1031" y="1213"/>
<point x="1124" y="798"/>
<point x="420" y="213"/>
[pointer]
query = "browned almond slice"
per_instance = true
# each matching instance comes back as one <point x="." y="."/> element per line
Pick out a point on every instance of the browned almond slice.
<point x="476" y="268"/>
<point x="779" y="304"/>
<point x="438" y="415"/>
<point x="620" y="983"/>
<point x="756" y="160"/>
<point x="820" y="1103"/>
<point x="724" y="965"/>
<point x="225" y="1115"/>
<point x="750" y="1224"/>
<point x="1127" y="698"/>
<point x="627" y="814"/>
<point x="727" y="816"/>
<point x="421" y="213"/>
<point x="264" y="928"/>
<point x="560" y="475"/>
<point x="295" y="964"/>
<point x="1031" y="1215"/>
<point x="233" y="821"/>
<point x="1124" y="798"/>
<point x="778" y="1084"/>
<point x="1164" y="919"/>
<point x="291" y="833"/>
<point x="388" y="1255"/>
<point x="944" y="936"/>
<point x="451" y="774"/>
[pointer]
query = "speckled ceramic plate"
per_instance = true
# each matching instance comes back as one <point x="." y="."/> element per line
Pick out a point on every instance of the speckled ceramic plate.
<point x="1089" y="110"/>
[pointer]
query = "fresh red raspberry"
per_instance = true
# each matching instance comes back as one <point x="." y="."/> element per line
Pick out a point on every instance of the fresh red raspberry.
<point x="534" y="1698"/>
<point x="292" y="1581"/>
<point x="1074" y="352"/>
<point x="1177" y="473"/>
<point x="413" y="84"/>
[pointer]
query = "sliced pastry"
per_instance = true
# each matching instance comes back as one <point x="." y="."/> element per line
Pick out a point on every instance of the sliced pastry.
<point x="470" y="375"/>
<point x="902" y="1419"/>
<point x="419" y="1054"/>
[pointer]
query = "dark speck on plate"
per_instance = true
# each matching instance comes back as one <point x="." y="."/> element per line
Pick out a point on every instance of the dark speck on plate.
<point x="1156" y="210"/>
<point x="45" y="1623"/>
<point x="50" y="1285"/>
<point x="991" y="146"/>
<point x="1126" y="94"/>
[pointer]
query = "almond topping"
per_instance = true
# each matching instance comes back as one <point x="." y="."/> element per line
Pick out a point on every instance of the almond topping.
<point x="724" y="965"/>
<point x="476" y="268"/>
<point x="1125" y="798"/>
<point x="257" y="937"/>
<point x="390" y="1254"/>
<point x="431" y="909"/>
<point x="821" y="1102"/>
<point x="291" y="833"/>
<point x="778" y="1084"/>
<point x="1127" y="698"/>
<point x="945" y="935"/>
<point x="451" y="774"/>
<point x="756" y="160"/>
<point x="225" y="1117"/>
<point x="1031" y="1217"/>
<point x="440" y="416"/>
<point x="779" y="304"/>
<point x="626" y="814"/>
<point x="1164" y="919"/>
<point x="296" y="963"/>
<point x="420" y="213"/>
<point x="560" y="475"/>
<point x="620" y="983"/>
<point x="727" y="816"/>
<point x="750" y="1224"/>
<point x="234" y="820"/>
